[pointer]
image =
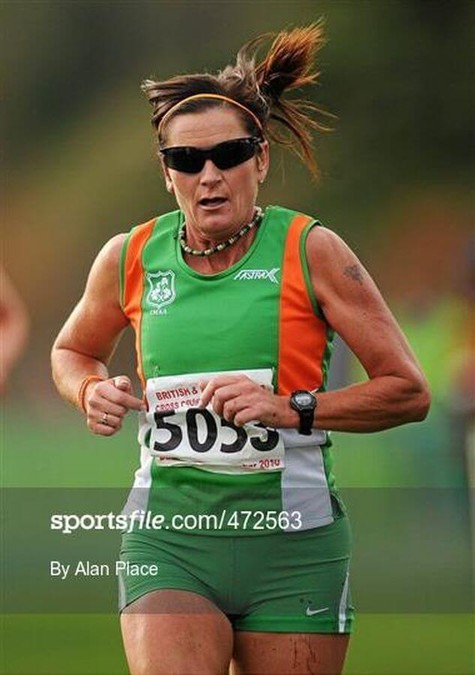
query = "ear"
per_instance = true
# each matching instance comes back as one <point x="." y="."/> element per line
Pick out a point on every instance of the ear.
<point x="167" y="178"/>
<point x="169" y="184"/>
<point x="263" y="159"/>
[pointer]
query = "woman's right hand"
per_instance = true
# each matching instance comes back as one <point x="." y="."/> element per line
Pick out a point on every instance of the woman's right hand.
<point x="107" y="402"/>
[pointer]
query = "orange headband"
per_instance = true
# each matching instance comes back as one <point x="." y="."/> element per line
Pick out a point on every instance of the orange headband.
<point x="215" y="96"/>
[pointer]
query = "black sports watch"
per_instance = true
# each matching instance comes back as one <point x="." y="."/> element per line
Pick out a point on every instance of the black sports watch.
<point x="304" y="402"/>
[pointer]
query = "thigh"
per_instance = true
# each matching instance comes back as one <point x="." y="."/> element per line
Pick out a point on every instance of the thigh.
<point x="172" y="632"/>
<point x="288" y="653"/>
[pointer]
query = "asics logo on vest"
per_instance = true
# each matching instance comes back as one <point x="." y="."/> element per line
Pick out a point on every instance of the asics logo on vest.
<point x="161" y="290"/>
<point x="251" y="275"/>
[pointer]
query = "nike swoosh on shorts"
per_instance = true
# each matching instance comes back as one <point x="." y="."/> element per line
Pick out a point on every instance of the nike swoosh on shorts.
<point x="311" y="612"/>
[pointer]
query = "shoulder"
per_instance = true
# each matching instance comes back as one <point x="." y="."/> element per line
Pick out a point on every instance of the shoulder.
<point x="110" y="253"/>
<point x="161" y="225"/>
<point x="324" y="238"/>
<point x="105" y="268"/>
<point x="336" y="271"/>
<point x="325" y="247"/>
<point x="283" y="214"/>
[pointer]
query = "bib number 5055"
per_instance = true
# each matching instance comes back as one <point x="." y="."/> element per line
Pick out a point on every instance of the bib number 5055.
<point x="209" y="433"/>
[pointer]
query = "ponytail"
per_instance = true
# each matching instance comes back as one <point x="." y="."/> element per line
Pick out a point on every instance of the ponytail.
<point x="261" y="89"/>
<point x="289" y="65"/>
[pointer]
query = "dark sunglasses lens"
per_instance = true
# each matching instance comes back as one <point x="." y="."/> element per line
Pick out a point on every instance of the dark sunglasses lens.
<point x="232" y="153"/>
<point x="224" y="155"/>
<point x="187" y="160"/>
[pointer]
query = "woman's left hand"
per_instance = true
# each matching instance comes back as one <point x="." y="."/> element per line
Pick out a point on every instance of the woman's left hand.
<point x="240" y="400"/>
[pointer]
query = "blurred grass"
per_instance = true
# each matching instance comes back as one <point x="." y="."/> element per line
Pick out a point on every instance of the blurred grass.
<point x="57" y="450"/>
<point x="383" y="644"/>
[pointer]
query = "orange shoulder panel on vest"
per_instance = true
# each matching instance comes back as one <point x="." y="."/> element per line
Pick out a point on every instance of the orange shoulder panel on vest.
<point x="302" y="335"/>
<point x="134" y="282"/>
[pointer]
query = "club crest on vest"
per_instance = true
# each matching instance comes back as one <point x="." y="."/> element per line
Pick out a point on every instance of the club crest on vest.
<point x="161" y="289"/>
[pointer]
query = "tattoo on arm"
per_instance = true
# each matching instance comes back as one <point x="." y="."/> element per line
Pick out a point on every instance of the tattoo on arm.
<point x="355" y="273"/>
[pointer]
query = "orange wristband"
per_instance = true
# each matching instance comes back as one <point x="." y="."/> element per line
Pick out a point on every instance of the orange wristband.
<point x="82" y="388"/>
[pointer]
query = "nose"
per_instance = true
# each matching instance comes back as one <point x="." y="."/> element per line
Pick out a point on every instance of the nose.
<point x="210" y="174"/>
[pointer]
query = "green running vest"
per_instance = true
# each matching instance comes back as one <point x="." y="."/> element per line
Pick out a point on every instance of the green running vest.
<point x="258" y="314"/>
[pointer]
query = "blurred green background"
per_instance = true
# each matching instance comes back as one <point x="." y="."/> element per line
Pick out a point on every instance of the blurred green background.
<point x="396" y="184"/>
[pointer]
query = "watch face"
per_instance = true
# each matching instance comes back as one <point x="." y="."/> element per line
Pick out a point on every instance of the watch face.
<point x="304" y="402"/>
<point x="304" y="399"/>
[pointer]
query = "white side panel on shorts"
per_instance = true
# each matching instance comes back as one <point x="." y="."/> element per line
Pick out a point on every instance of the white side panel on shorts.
<point x="305" y="487"/>
<point x="122" y="591"/>
<point x="343" y="605"/>
<point x="138" y="496"/>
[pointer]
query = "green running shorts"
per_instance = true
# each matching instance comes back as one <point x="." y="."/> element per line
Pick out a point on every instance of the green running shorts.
<point x="283" y="582"/>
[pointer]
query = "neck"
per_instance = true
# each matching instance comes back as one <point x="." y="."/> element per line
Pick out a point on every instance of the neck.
<point x="215" y="248"/>
<point x="222" y="260"/>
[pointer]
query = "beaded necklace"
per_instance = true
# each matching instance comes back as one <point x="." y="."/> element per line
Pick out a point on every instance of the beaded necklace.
<point x="255" y="222"/>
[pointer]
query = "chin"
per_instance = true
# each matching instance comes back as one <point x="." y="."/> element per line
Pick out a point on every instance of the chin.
<point x="211" y="222"/>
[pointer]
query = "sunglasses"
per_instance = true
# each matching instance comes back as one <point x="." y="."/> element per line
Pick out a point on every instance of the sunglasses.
<point x="223" y="155"/>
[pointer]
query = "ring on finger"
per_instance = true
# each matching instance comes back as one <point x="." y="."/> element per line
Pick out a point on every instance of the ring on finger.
<point x="104" y="419"/>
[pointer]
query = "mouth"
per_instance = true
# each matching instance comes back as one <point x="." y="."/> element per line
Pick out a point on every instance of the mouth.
<point x="212" y="202"/>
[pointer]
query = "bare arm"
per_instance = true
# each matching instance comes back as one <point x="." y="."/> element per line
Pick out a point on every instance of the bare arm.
<point x="396" y="391"/>
<point x="87" y="341"/>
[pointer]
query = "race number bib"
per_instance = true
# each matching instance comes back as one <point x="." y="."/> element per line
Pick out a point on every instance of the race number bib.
<point x="178" y="433"/>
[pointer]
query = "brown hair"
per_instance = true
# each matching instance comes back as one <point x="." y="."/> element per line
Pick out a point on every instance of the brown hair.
<point x="288" y="65"/>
